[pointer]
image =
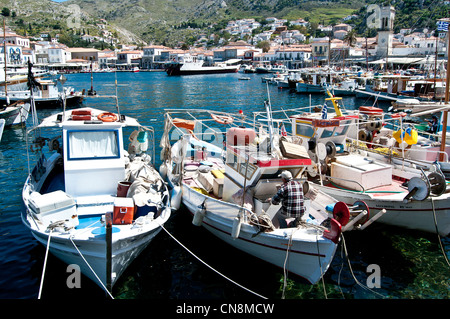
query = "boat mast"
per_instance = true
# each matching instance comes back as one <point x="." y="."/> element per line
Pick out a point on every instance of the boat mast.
<point x="444" y="124"/>
<point x="4" y="52"/>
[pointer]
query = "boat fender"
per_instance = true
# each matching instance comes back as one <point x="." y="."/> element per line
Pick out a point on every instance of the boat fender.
<point x="163" y="171"/>
<point x="107" y="117"/>
<point x="175" y="197"/>
<point x="198" y="217"/>
<point x="341" y="213"/>
<point x="236" y="229"/>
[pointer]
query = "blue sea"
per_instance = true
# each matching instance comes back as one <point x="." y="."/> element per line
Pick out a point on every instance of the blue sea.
<point x="409" y="264"/>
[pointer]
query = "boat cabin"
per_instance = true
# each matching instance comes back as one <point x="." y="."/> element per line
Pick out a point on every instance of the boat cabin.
<point x="93" y="160"/>
<point x="249" y="165"/>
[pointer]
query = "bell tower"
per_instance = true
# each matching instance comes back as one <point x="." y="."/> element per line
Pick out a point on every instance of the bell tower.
<point x="386" y="31"/>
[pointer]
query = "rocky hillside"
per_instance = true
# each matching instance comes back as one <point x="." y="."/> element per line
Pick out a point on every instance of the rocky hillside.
<point x="170" y="22"/>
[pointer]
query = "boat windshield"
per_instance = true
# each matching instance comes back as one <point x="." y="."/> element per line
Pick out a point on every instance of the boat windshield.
<point x="340" y="130"/>
<point x="92" y="144"/>
<point x="304" y="129"/>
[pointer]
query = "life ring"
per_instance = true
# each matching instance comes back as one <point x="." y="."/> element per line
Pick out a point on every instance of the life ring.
<point x="107" y="117"/>
<point x="222" y="119"/>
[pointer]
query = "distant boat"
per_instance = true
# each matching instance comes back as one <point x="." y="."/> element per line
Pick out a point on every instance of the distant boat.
<point x="45" y="97"/>
<point x="135" y="69"/>
<point x="190" y="65"/>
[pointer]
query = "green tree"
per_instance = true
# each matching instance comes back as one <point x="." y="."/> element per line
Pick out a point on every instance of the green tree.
<point x="5" y="12"/>
<point x="264" y="45"/>
<point x="350" y="38"/>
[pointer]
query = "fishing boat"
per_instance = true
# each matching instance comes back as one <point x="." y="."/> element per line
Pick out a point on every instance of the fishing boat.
<point x="15" y="113"/>
<point x="414" y="194"/>
<point x="313" y="82"/>
<point x="225" y="173"/>
<point x="191" y="65"/>
<point x="46" y="94"/>
<point x="88" y="200"/>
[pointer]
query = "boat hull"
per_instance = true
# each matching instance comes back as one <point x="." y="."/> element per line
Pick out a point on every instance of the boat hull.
<point x="305" y="252"/>
<point x="309" y="88"/>
<point x="15" y="114"/>
<point x="124" y="251"/>
<point x="418" y="215"/>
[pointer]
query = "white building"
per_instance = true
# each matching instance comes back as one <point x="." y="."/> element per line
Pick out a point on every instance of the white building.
<point x="58" y="54"/>
<point x="151" y="57"/>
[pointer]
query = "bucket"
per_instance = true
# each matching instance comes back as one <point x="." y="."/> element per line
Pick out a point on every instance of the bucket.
<point x="122" y="189"/>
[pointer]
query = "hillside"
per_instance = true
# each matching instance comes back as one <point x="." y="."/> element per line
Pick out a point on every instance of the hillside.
<point x="33" y="17"/>
<point x="158" y="21"/>
<point x="170" y="22"/>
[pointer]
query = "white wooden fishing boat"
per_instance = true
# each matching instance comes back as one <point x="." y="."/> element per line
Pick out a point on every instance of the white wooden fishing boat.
<point x="414" y="195"/>
<point x="15" y="113"/>
<point x="209" y="175"/>
<point x="76" y="199"/>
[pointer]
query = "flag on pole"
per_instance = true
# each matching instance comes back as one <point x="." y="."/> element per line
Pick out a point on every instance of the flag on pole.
<point x="324" y="111"/>
<point x="442" y="26"/>
<point x="283" y="130"/>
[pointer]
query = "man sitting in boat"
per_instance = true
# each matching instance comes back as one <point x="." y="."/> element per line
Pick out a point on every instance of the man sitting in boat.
<point x="290" y="194"/>
<point x="433" y="125"/>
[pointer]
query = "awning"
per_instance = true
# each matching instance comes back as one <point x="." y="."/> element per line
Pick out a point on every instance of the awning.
<point x="404" y="61"/>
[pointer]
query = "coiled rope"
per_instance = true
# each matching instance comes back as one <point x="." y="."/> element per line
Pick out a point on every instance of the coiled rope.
<point x="232" y="281"/>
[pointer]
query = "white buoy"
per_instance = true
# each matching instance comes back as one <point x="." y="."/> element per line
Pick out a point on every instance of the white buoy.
<point x="163" y="171"/>
<point x="198" y="217"/>
<point x="237" y="222"/>
<point x="175" y="197"/>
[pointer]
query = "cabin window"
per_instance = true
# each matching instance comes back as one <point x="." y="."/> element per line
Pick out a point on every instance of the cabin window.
<point x="92" y="145"/>
<point x="305" y="130"/>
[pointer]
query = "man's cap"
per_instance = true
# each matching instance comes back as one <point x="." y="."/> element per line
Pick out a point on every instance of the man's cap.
<point x="286" y="175"/>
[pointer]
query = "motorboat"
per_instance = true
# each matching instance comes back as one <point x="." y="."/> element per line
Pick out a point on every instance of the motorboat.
<point x="191" y="65"/>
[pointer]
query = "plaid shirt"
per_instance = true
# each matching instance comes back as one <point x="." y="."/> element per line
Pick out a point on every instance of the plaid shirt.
<point x="290" y="195"/>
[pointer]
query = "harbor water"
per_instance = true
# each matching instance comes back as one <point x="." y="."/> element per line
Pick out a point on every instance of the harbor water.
<point x="382" y="262"/>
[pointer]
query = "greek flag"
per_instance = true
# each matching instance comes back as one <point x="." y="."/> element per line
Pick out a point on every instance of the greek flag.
<point x="324" y="111"/>
<point x="442" y="26"/>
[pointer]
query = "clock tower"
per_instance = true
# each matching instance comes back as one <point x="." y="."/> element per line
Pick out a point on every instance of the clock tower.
<point x="386" y="31"/>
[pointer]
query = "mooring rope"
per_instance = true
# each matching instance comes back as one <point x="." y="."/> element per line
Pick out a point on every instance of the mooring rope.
<point x="229" y="279"/>
<point x="284" y="266"/>
<point x="45" y="264"/>
<point x="437" y="232"/>
<point x="351" y="270"/>
<point x="101" y="283"/>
